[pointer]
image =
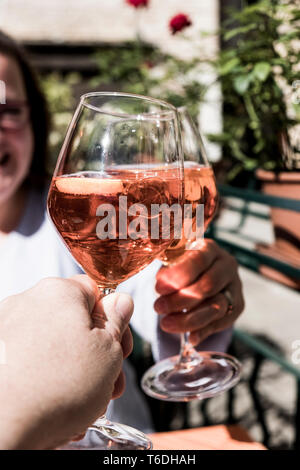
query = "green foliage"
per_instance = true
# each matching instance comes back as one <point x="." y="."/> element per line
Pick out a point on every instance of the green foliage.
<point x="144" y="69"/>
<point x="59" y="94"/>
<point x="256" y="73"/>
<point x="125" y="65"/>
<point x="131" y="67"/>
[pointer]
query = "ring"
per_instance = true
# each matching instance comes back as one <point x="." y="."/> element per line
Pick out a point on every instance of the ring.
<point x="229" y="299"/>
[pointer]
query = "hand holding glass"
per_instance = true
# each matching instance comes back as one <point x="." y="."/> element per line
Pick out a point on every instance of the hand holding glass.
<point x="192" y="375"/>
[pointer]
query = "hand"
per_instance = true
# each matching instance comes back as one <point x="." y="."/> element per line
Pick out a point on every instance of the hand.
<point x="64" y="354"/>
<point x="191" y="293"/>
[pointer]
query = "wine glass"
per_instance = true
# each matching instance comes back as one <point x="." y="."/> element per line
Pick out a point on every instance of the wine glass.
<point x="121" y="155"/>
<point x="191" y="374"/>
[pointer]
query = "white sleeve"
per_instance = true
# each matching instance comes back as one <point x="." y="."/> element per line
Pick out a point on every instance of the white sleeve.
<point x="142" y="289"/>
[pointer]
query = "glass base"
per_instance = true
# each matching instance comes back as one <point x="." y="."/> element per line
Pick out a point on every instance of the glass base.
<point x="205" y="375"/>
<point x="105" y="435"/>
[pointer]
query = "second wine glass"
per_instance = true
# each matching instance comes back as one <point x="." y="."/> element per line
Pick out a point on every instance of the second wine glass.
<point x="191" y="374"/>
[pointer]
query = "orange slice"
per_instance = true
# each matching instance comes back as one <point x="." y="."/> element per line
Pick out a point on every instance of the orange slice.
<point x="74" y="185"/>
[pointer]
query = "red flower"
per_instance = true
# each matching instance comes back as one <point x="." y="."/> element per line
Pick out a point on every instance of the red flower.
<point x="137" y="3"/>
<point x="148" y="64"/>
<point x="179" y="22"/>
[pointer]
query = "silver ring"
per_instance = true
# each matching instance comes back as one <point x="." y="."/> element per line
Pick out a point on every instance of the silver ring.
<point x="228" y="296"/>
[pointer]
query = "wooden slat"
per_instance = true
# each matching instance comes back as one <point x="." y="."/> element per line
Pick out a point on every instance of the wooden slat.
<point x="207" y="438"/>
<point x="251" y="258"/>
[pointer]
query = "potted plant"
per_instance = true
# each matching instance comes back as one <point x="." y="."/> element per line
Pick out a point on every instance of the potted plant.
<point x="259" y="71"/>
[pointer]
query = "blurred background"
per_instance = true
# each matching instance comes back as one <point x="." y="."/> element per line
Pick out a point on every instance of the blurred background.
<point x="235" y="65"/>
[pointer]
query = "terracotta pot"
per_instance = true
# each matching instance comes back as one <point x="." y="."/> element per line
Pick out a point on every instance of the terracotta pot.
<point x="286" y="223"/>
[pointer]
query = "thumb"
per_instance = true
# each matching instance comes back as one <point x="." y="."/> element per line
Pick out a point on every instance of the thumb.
<point x="88" y="287"/>
<point x="114" y="311"/>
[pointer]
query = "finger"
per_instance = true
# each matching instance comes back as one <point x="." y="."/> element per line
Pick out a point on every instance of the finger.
<point x="213" y="281"/>
<point x="115" y="310"/>
<point x="236" y="291"/>
<point x="99" y="318"/>
<point x="226" y="321"/>
<point x="88" y="287"/>
<point x="127" y="343"/>
<point x="210" y="310"/>
<point x="186" y="271"/>
<point x="214" y="327"/>
<point x="119" y="386"/>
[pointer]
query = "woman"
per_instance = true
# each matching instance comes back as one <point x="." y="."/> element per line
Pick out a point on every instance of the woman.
<point x="30" y="248"/>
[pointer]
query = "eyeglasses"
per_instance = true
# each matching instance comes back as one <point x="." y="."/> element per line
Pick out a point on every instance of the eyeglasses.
<point x="14" y="115"/>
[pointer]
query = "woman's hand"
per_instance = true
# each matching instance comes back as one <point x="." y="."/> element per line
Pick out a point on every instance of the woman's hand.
<point x="191" y="297"/>
<point x="64" y="352"/>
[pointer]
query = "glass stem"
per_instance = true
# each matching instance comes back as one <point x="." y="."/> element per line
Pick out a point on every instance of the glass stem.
<point x="101" y="421"/>
<point x="187" y="352"/>
<point x="103" y="291"/>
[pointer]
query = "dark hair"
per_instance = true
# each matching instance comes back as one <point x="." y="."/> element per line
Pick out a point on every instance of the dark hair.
<point x="39" y="115"/>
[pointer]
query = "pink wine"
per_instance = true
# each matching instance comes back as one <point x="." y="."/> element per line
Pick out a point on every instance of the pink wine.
<point x="74" y="205"/>
<point x="199" y="188"/>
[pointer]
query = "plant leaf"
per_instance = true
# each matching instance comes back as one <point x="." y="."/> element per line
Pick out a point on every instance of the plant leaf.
<point x="241" y="30"/>
<point x="229" y="65"/>
<point x="262" y="70"/>
<point x="241" y="83"/>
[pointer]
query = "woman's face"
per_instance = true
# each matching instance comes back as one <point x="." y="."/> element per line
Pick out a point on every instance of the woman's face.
<point x="16" y="141"/>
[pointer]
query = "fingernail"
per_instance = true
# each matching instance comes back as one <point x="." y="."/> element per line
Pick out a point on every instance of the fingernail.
<point x="124" y="306"/>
